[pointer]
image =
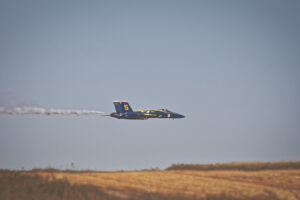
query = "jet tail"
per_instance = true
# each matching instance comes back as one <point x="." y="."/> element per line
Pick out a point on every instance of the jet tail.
<point x="122" y="106"/>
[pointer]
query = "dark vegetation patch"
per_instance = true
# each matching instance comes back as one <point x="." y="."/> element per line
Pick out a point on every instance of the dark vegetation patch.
<point x="242" y="166"/>
<point x="15" y="185"/>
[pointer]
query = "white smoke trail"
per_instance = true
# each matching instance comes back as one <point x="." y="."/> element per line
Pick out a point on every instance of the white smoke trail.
<point x="44" y="111"/>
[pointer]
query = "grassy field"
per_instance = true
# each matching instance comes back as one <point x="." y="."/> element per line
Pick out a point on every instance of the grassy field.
<point x="217" y="184"/>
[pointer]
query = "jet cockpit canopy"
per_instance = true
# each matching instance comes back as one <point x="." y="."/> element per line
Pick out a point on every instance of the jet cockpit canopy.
<point x="165" y="110"/>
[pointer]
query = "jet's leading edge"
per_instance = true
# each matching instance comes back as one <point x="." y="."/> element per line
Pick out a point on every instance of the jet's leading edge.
<point x="124" y="111"/>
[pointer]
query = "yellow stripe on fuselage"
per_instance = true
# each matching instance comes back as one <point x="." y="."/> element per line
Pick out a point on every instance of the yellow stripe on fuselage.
<point x="153" y="115"/>
<point x="151" y="110"/>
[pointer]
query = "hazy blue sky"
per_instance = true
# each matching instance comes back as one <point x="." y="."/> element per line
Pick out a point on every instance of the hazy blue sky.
<point x="231" y="67"/>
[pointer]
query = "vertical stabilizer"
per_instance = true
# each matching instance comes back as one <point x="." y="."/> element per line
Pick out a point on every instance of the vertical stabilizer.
<point x="122" y="106"/>
<point x="118" y="106"/>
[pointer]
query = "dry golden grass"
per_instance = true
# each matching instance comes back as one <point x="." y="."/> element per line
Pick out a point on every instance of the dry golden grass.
<point x="283" y="184"/>
<point x="184" y="184"/>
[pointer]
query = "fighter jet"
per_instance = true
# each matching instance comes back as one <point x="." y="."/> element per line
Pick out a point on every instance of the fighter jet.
<point x="124" y="111"/>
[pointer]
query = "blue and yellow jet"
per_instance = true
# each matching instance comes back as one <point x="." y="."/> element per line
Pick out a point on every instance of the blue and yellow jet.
<point x="124" y="111"/>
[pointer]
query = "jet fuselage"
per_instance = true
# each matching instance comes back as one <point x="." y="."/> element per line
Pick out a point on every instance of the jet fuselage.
<point x="124" y="111"/>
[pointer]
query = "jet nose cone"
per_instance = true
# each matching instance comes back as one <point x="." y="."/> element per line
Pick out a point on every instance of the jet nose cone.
<point x="181" y="116"/>
<point x="178" y="115"/>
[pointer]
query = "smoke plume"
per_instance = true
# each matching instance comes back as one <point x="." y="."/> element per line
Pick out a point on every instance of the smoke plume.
<point x="44" y="111"/>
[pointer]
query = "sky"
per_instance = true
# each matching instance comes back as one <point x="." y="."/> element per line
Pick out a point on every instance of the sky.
<point x="231" y="67"/>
